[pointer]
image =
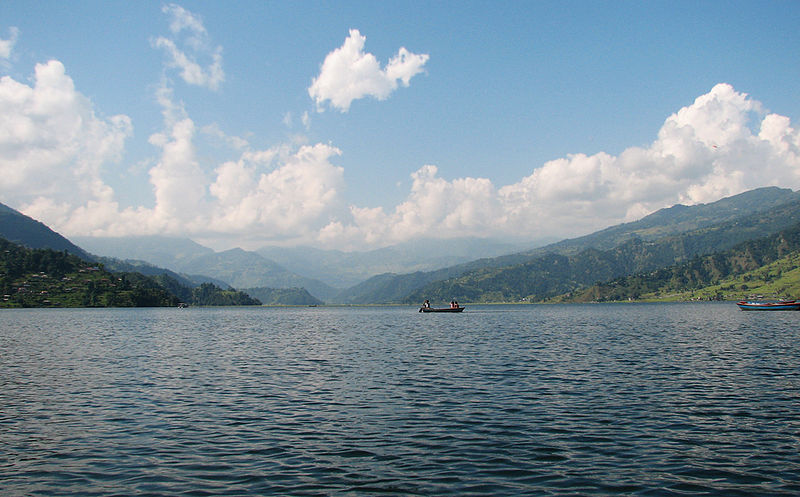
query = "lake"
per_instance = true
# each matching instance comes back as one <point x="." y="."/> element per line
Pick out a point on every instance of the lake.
<point x="624" y="399"/>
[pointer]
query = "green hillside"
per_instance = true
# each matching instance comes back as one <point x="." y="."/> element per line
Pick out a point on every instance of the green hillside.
<point x="40" y="268"/>
<point x="768" y="266"/>
<point x="283" y="296"/>
<point x="210" y="294"/>
<point x="780" y="279"/>
<point x="552" y="274"/>
<point x="49" y="278"/>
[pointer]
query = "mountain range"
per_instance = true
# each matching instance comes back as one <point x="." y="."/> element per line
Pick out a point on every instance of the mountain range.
<point x="324" y="273"/>
<point x="469" y="270"/>
<point x="663" y="238"/>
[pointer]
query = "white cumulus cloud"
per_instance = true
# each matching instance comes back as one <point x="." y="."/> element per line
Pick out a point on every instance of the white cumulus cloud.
<point x="268" y="195"/>
<point x="53" y="147"/>
<point x="348" y="73"/>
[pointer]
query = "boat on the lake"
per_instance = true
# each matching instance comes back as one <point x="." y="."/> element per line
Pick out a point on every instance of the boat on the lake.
<point x="454" y="307"/>
<point x="780" y="305"/>
<point x="441" y="309"/>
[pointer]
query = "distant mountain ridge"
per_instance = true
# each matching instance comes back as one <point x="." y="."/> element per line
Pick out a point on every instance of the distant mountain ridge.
<point x="236" y="267"/>
<point x="162" y="251"/>
<point x="283" y="296"/>
<point x="244" y="269"/>
<point x="345" y="269"/>
<point x="323" y="272"/>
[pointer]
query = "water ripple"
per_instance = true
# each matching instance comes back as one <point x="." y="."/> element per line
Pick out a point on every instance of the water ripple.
<point x="522" y="400"/>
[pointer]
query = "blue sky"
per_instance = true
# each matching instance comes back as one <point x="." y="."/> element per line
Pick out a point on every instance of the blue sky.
<point x="523" y="120"/>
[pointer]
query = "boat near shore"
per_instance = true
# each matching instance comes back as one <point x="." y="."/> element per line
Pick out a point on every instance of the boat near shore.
<point x="780" y="305"/>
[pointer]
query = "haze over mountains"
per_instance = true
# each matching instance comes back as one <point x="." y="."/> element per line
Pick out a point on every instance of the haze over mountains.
<point x="324" y="273"/>
<point x="467" y="269"/>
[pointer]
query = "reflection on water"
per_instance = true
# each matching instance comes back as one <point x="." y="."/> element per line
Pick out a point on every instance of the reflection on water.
<point x="499" y="400"/>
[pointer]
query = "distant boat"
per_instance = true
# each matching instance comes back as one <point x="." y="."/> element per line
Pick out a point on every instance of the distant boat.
<point x="781" y="305"/>
<point x="441" y="309"/>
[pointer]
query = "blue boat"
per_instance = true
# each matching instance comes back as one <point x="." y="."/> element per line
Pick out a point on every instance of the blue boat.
<point x="781" y="305"/>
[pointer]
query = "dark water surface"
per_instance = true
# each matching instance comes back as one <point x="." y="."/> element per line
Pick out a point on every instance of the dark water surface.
<point x="683" y="399"/>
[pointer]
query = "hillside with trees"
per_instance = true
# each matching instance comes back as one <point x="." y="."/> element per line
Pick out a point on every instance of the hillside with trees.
<point x="210" y="294"/>
<point x="552" y="274"/>
<point x="768" y="266"/>
<point x="49" y="278"/>
<point x="283" y="296"/>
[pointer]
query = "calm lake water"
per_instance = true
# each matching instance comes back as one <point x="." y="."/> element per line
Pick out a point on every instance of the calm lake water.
<point x="661" y="399"/>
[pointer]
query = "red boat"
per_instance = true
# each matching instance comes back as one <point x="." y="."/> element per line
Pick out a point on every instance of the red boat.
<point x="781" y="305"/>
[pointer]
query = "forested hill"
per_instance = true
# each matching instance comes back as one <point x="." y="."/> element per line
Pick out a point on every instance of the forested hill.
<point x="553" y="274"/>
<point x="283" y="296"/>
<point x="49" y="278"/>
<point x="765" y="266"/>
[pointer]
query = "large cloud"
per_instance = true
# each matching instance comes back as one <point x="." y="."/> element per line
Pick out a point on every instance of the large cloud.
<point x="53" y="146"/>
<point x="435" y="208"/>
<point x="295" y="198"/>
<point x="350" y="74"/>
<point x="264" y="195"/>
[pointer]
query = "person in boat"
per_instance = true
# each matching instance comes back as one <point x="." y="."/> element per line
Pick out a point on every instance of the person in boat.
<point x="455" y="304"/>
<point x="426" y="304"/>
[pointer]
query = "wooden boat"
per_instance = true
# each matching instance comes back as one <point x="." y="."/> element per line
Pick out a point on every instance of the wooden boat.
<point x="781" y="305"/>
<point x="441" y="309"/>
